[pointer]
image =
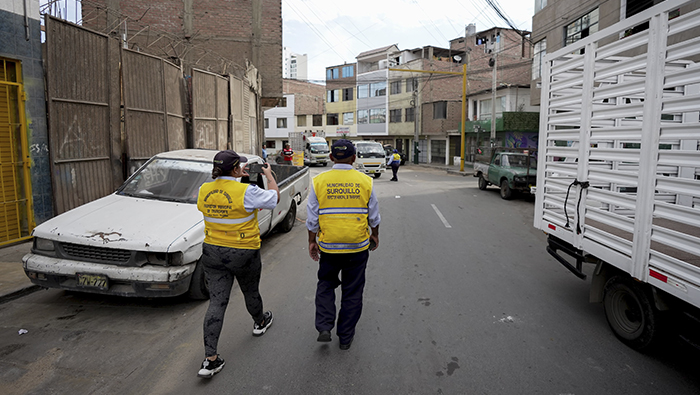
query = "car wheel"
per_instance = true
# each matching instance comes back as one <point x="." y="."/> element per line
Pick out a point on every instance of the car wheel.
<point x="630" y="313"/>
<point x="279" y="160"/>
<point x="325" y="164"/>
<point x="482" y="183"/>
<point x="506" y="192"/>
<point x="377" y="175"/>
<point x="199" y="287"/>
<point x="288" y="222"/>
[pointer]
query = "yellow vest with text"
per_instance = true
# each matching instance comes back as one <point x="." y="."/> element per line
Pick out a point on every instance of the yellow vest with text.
<point x="343" y="198"/>
<point x="226" y="222"/>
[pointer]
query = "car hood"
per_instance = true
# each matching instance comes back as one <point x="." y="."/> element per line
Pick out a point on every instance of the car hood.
<point x="522" y="171"/>
<point x="128" y="223"/>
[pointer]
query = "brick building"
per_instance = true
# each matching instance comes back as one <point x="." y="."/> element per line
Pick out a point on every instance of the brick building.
<point x="221" y="36"/>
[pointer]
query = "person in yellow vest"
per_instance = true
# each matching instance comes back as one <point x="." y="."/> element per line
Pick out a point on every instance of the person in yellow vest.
<point x="395" y="163"/>
<point x="343" y="211"/>
<point x="231" y="248"/>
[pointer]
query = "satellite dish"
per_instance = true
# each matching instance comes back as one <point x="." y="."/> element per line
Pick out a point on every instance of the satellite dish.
<point x="457" y="58"/>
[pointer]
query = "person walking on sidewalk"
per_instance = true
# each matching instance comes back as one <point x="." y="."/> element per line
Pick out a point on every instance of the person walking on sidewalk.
<point x="231" y="248"/>
<point x="395" y="163"/>
<point x="341" y="209"/>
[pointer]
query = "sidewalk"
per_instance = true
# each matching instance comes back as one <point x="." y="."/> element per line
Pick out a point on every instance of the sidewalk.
<point x="468" y="168"/>
<point x="13" y="282"/>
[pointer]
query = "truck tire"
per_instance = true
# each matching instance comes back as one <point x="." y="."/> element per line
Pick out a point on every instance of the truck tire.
<point x="506" y="192"/>
<point x="377" y="175"/>
<point x="630" y="312"/>
<point x="482" y="182"/>
<point x="288" y="222"/>
<point x="325" y="164"/>
<point x="199" y="289"/>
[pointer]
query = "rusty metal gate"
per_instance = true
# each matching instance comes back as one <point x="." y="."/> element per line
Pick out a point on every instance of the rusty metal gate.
<point x="83" y="107"/>
<point x="154" y="107"/>
<point x="16" y="215"/>
<point x="210" y="110"/>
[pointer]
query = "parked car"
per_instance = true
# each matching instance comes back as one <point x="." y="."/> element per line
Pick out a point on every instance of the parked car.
<point x="146" y="238"/>
<point x="511" y="169"/>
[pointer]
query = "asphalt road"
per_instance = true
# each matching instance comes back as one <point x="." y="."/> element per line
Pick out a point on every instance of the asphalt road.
<point x="461" y="297"/>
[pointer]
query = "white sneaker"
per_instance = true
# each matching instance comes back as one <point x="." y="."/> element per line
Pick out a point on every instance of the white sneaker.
<point x="210" y="368"/>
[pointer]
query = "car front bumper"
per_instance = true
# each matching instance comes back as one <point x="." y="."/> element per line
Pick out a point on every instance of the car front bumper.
<point x="145" y="281"/>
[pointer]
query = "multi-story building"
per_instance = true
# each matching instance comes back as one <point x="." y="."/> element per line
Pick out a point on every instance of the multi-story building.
<point x="372" y="98"/>
<point x="558" y="23"/>
<point x="302" y="112"/>
<point x="295" y="65"/>
<point x="340" y="100"/>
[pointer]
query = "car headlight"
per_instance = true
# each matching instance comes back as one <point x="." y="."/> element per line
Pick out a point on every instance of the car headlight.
<point x="165" y="258"/>
<point x="519" y="179"/>
<point x="45" y="246"/>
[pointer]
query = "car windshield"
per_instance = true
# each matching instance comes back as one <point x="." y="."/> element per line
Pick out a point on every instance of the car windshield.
<point x="319" y="148"/>
<point x="517" y="160"/>
<point x="370" y="149"/>
<point x="170" y="180"/>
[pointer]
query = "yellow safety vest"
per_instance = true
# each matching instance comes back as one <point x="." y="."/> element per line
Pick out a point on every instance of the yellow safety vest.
<point x="396" y="158"/>
<point x="226" y="222"/>
<point x="343" y="198"/>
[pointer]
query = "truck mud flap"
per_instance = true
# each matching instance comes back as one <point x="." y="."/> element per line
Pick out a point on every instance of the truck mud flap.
<point x="556" y="245"/>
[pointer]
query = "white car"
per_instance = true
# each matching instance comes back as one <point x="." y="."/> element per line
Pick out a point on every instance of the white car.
<point x="146" y="238"/>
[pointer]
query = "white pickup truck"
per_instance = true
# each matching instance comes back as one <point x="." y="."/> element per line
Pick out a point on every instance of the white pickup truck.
<point x="146" y="238"/>
<point x="619" y="169"/>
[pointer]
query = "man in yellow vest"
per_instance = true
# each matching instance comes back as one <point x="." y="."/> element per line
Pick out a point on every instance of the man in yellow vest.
<point x="341" y="210"/>
<point x="231" y="247"/>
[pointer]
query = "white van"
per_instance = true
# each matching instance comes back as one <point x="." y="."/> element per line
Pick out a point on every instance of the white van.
<point x="370" y="158"/>
<point x="316" y="151"/>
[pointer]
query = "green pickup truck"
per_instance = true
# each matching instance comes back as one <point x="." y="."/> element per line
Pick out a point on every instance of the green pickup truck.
<point x="511" y="169"/>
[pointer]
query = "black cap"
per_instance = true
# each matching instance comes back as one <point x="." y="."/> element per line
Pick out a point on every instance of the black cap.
<point x="343" y="149"/>
<point x="227" y="160"/>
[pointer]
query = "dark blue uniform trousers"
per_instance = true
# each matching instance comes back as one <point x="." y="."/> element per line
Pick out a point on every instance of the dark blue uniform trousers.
<point x="351" y="268"/>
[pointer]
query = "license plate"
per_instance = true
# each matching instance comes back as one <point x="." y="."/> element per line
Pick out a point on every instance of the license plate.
<point x="371" y="171"/>
<point x="92" y="281"/>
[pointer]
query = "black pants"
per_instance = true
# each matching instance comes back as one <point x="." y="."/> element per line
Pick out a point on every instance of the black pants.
<point x="351" y="268"/>
<point x="394" y="169"/>
<point x="221" y="266"/>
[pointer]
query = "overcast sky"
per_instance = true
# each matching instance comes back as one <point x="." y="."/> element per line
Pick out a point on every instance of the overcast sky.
<point x="332" y="32"/>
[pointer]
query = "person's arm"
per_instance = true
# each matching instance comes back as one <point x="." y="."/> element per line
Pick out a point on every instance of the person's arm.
<point x="312" y="223"/>
<point x="271" y="183"/>
<point x="374" y="219"/>
<point x="314" y="252"/>
<point x="375" y="237"/>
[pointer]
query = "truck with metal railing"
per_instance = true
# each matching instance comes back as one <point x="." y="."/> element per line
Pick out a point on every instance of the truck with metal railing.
<point x="618" y="173"/>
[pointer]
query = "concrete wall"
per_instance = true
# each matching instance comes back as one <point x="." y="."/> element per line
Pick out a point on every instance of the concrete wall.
<point x="15" y="45"/>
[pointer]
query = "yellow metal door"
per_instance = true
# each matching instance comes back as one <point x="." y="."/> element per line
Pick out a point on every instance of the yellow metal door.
<point x="16" y="215"/>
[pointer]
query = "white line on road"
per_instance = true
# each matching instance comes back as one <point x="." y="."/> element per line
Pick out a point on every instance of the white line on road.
<point x="442" y="218"/>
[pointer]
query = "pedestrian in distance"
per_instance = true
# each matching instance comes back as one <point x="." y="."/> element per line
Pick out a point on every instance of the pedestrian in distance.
<point x="395" y="163"/>
<point x="264" y="153"/>
<point x="342" y="209"/>
<point x="231" y="248"/>
<point x="287" y="154"/>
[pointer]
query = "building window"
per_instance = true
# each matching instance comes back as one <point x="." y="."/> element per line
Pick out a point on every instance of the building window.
<point x="540" y="4"/>
<point x="377" y="115"/>
<point x="281" y="123"/>
<point x="331" y="74"/>
<point x="270" y="144"/>
<point x="348" y="71"/>
<point x="581" y="28"/>
<point x="362" y="91"/>
<point x="395" y="115"/>
<point x="411" y="84"/>
<point x="440" y="110"/>
<point x="396" y="87"/>
<point x="267" y="123"/>
<point x="410" y="114"/>
<point x="362" y="116"/>
<point x="317" y="120"/>
<point x="540" y="52"/>
<point x="333" y="96"/>
<point x="301" y="120"/>
<point x="331" y="119"/>
<point x="485" y="107"/>
<point x="377" y="89"/>
<point x="347" y="94"/>
<point x="348" y="118"/>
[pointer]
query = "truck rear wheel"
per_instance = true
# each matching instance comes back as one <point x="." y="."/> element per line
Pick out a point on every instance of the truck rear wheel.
<point x="506" y="192"/>
<point x="630" y="312"/>
<point x="482" y="182"/>
<point x="199" y="288"/>
<point x="288" y="222"/>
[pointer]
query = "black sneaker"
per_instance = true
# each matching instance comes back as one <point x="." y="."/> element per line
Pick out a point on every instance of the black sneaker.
<point x="346" y="346"/>
<point x="324" y="336"/>
<point x="210" y="368"/>
<point x="259" y="329"/>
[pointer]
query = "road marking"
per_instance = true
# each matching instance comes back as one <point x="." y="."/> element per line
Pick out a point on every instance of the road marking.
<point x="442" y="218"/>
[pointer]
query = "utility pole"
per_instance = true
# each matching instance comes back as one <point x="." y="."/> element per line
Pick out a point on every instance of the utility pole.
<point x="464" y="106"/>
<point x="493" y="89"/>
<point x="414" y="102"/>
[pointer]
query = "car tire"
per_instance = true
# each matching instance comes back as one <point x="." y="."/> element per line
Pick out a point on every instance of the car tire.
<point x="199" y="287"/>
<point x="630" y="312"/>
<point x="325" y="164"/>
<point x="288" y="222"/>
<point x="279" y="160"/>
<point x="506" y="192"/>
<point x="377" y="175"/>
<point x="482" y="182"/>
